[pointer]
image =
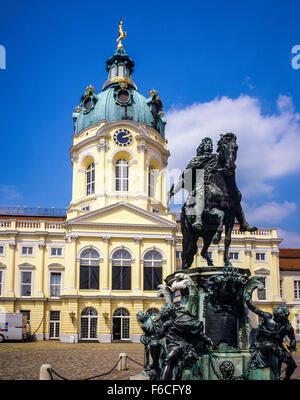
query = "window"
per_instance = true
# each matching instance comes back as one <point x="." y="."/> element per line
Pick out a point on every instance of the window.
<point x="262" y="293"/>
<point x="260" y="256"/>
<point x="27" y="251"/>
<point x="89" y="269"/>
<point x="90" y="179"/>
<point x="55" y="284"/>
<point x="26" y="283"/>
<point x="178" y="255"/>
<point x="281" y="287"/>
<point x="85" y="208"/>
<point x="54" y="325"/>
<point x="122" y="175"/>
<point x="155" y="210"/>
<point x="88" y="324"/>
<point x="152" y="270"/>
<point x="121" y="270"/>
<point x="113" y="72"/>
<point x="121" y="324"/>
<point x="27" y="314"/>
<point x="233" y="255"/>
<point x="296" y="290"/>
<point x="297" y="324"/>
<point x="56" y="251"/>
<point x="151" y="182"/>
<point x="121" y="70"/>
<point x="1" y="282"/>
<point x="1" y="250"/>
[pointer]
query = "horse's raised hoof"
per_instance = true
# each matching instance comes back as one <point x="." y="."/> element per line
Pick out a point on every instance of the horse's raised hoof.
<point x="248" y="228"/>
<point x="216" y="238"/>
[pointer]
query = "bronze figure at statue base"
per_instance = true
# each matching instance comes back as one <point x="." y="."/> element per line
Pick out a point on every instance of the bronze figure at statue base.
<point x="207" y="330"/>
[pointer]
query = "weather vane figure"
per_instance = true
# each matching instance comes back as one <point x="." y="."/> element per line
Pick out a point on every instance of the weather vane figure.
<point x="122" y="34"/>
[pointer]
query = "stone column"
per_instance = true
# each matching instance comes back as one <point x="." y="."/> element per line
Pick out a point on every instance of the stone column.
<point x="137" y="272"/>
<point x="10" y="272"/>
<point x="164" y="184"/>
<point x="106" y="276"/>
<point x="142" y="149"/>
<point x="248" y="254"/>
<point x="102" y="147"/>
<point x="39" y="278"/>
<point x="275" y="275"/>
<point x="71" y="264"/>
<point x="170" y="257"/>
<point x="220" y="260"/>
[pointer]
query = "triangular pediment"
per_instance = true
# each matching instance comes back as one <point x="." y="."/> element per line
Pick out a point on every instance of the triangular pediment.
<point x="122" y="213"/>
<point x="262" y="271"/>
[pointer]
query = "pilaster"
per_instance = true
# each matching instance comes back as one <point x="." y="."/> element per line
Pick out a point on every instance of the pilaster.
<point x="10" y="273"/>
<point x="106" y="271"/>
<point x="136" y="276"/>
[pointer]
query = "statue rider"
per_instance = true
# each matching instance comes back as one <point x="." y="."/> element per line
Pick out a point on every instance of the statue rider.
<point x="192" y="181"/>
<point x="205" y="160"/>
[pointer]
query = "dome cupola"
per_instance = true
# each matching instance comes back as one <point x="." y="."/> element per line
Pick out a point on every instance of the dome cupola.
<point x="119" y="99"/>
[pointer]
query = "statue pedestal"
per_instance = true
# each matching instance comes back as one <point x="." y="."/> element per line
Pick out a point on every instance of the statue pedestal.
<point x="226" y="321"/>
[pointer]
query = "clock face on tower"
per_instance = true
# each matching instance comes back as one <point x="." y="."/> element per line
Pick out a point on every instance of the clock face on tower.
<point x="123" y="137"/>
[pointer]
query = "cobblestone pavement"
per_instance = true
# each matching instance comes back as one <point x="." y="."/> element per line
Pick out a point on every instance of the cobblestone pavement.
<point x="22" y="361"/>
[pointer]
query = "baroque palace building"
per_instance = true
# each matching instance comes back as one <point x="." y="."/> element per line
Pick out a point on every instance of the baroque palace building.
<point x="83" y="273"/>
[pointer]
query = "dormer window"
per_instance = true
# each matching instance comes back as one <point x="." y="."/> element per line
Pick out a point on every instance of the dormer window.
<point x="121" y="70"/>
<point x="113" y="72"/>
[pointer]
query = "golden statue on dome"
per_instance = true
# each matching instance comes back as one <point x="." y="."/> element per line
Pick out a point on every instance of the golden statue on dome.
<point x="122" y="34"/>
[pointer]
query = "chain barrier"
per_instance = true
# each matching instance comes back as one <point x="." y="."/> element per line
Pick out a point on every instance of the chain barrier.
<point x="135" y="361"/>
<point x="51" y="372"/>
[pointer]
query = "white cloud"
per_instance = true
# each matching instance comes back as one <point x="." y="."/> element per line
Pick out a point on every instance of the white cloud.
<point x="270" y="212"/>
<point x="290" y="239"/>
<point x="268" y="144"/>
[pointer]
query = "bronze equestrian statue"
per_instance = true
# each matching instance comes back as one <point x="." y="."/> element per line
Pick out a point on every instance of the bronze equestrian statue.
<point x="214" y="200"/>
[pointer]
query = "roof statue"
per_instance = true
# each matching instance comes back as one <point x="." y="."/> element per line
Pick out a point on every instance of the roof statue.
<point x="122" y="34"/>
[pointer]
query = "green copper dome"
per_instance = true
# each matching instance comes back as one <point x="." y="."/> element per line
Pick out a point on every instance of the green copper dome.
<point x="119" y="99"/>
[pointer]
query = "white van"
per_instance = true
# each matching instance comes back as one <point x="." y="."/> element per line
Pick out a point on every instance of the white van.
<point x="12" y="326"/>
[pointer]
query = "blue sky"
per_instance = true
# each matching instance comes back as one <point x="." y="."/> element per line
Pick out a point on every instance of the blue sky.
<point x="228" y="62"/>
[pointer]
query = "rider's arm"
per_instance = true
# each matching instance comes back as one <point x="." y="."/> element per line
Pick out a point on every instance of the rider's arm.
<point x="291" y="336"/>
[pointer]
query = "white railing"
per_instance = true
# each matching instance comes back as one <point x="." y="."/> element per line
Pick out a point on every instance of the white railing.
<point x="5" y="224"/>
<point x="28" y="225"/>
<point x="54" y="225"/>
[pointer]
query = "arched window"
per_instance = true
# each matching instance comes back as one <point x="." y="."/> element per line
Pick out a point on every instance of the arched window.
<point x="151" y="182"/>
<point x="89" y="269"/>
<point x="153" y="311"/>
<point x="121" y="270"/>
<point x="90" y="179"/>
<point x="113" y="72"/>
<point x="122" y="175"/>
<point x="121" y="70"/>
<point x="152" y="270"/>
<point x="121" y="324"/>
<point x="88" y="324"/>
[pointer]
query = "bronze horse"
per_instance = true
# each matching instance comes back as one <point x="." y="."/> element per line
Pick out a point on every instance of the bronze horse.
<point x="222" y="206"/>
